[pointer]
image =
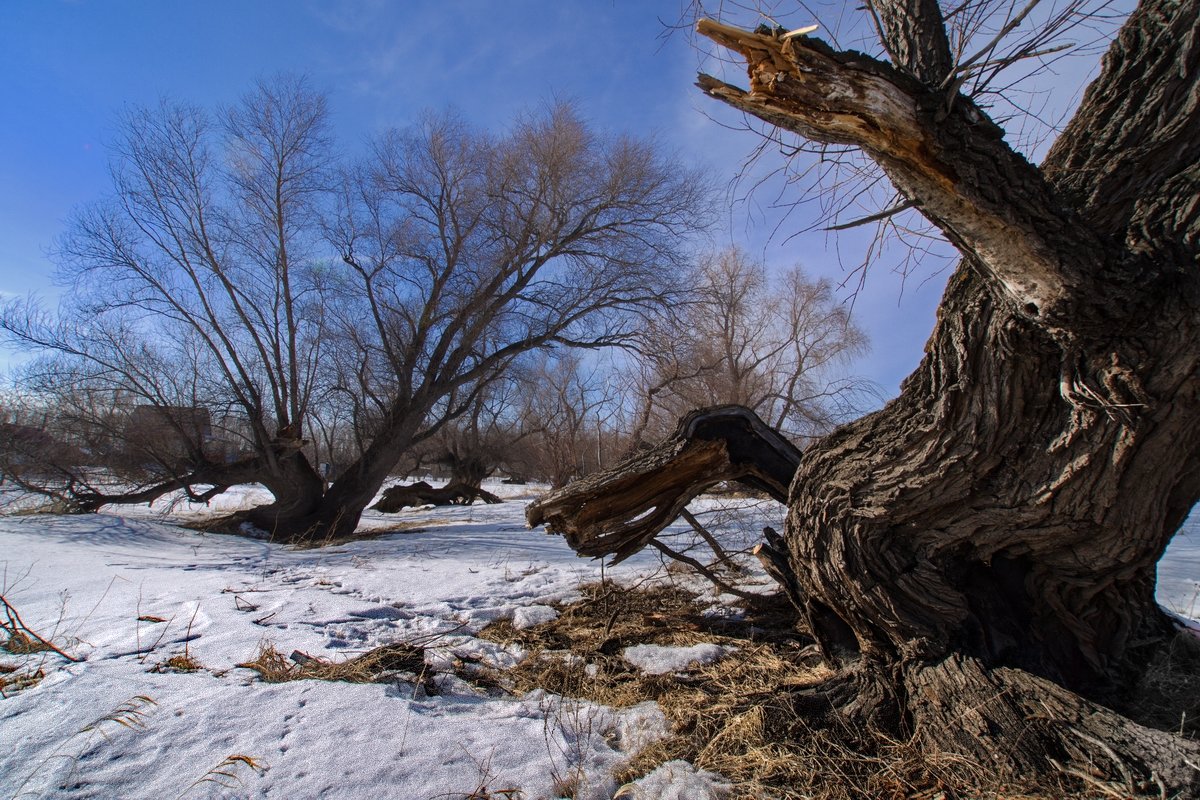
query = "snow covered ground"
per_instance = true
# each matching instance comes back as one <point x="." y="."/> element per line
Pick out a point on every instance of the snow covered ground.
<point x="1179" y="571"/>
<point x="112" y="727"/>
<point x="96" y="583"/>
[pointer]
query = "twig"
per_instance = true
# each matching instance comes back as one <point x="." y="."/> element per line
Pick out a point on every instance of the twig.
<point x="703" y="570"/>
<point x="187" y="636"/>
<point x="710" y="540"/>
<point x="887" y="212"/>
<point x="19" y="627"/>
<point x="987" y="48"/>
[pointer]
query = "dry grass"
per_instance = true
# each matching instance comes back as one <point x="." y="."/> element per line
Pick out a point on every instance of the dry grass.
<point x="14" y="678"/>
<point x="180" y="662"/>
<point x="734" y="717"/>
<point x="579" y="654"/>
<point x="228" y="774"/>
<point x="20" y="639"/>
<point x="20" y="644"/>
<point x="130" y="715"/>
<point x="1168" y="695"/>
<point x="757" y="716"/>
<point x="380" y="665"/>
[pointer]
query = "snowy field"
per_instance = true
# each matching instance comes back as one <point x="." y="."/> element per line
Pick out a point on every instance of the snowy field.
<point x="98" y="583"/>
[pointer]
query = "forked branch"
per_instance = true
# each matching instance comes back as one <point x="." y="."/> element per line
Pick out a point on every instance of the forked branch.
<point x="948" y="159"/>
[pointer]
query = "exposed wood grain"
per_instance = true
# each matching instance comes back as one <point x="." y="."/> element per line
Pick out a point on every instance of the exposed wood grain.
<point x="618" y="511"/>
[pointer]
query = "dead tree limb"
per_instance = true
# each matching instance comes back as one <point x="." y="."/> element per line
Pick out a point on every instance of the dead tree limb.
<point x="421" y="493"/>
<point x="617" y="512"/>
<point x="724" y="586"/>
<point x="705" y="534"/>
<point x="22" y="637"/>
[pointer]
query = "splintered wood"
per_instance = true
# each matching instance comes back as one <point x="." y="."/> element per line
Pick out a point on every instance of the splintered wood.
<point x="619" y="511"/>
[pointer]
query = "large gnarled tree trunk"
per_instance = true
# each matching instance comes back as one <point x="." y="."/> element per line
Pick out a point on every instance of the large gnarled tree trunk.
<point x="982" y="551"/>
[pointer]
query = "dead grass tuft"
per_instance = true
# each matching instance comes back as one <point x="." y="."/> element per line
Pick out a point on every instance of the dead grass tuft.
<point x="381" y="665"/>
<point x="228" y="774"/>
<point x="1168" y="695"/>
<point x="20" y="644"/>
<point x="579" y="654"/>
<point x="22" y="639"/>
<point x="130" y="715"/>
<point x="484" y="793"/>
<point x="180" y="662"/>
<point x="14" y="679"/>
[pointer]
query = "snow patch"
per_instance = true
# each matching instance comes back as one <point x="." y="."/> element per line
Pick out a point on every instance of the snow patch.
<point x="676" y="780"/>
<point x="101" y="580"/>
<point x="528" y="616"/>
<point x="654" y="659"/>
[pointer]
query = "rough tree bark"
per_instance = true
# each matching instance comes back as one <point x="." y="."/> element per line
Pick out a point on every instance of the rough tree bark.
<point x="618" y="511"/>
<point x="979" y="556"/>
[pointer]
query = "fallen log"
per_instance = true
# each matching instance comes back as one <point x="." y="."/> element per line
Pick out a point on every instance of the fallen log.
<point x="620" y="510"/>
<point x="422" y="494"/>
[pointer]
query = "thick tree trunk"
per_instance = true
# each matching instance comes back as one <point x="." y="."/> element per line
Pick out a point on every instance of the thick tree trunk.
<point x="304" y="509"/>
<point x="298" y="491"/>
<point x="470" y="469"/>
<point x="283" y="470"/>
<point x="982" y="551"/>
<point x="1009" y="520"/>
<point x="1015" y="498"/>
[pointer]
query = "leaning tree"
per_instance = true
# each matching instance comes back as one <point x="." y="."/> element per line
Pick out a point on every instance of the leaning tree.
<point x="240" y="278"/>
<point x="978" y="557"/>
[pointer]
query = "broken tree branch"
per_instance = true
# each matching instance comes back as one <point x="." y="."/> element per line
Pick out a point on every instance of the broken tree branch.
<point x="703" y="570"/>
<point x="17" y="629"/>
<point x="951" y="161"/>
<point x="619" y="511"/>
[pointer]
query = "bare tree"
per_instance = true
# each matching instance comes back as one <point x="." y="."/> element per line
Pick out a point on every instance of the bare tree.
<point x="466" y="251"/>
<point x="38" y="448"/>
<point x="206" y="283"/>
<point x="978" y="557"/>
<point x="773" y="343"/>
<point x="481" y="440"/>
<point x="191" y="292"/>
<point x="571" y="410"/>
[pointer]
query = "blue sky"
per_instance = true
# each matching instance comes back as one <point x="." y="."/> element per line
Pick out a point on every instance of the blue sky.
<point x="67" y="69"/>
